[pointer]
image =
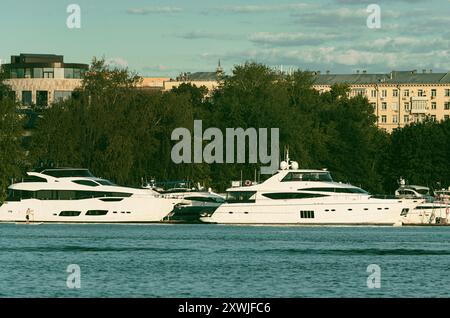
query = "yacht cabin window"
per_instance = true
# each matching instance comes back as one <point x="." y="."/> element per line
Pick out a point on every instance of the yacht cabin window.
<point x="308" y="176"/>
<point x="241" y="196"/>
<point x="86" y="183"/>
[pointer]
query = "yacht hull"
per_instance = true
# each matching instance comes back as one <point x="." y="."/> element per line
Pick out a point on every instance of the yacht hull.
<point x="354" y="212"/>
<point x="96" y="210"/>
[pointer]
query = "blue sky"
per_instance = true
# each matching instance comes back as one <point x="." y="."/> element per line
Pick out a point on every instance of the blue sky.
<point x="164" y="38"/>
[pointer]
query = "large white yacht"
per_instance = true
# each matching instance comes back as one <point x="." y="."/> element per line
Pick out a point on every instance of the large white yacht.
<point x="308" y="197"/>
<point x="75" y="196"/>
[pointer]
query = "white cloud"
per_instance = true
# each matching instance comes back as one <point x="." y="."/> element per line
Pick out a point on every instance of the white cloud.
<point x="338" y="17"/>
<point x="193" y="35"/>
<point x="154" y="10"/>
<point x="341" y="59"/>
<point x="260" y="8"/>
<point x="290" y="39"/>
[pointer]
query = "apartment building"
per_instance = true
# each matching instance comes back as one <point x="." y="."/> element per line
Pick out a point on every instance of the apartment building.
<point x="398" y="98"/>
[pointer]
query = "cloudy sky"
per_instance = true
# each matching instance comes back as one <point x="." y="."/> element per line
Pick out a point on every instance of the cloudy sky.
<point x="164" y="38"/>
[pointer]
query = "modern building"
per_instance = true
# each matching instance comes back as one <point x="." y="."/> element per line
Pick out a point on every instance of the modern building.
<point x="398" y="98"/>
<point x="41" y="79"/>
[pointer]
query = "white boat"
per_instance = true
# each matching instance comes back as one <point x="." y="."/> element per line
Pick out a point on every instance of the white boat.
<point x="69" y="195"/>
<point x="435" y="210"/>
<point x="307" y="197"/>
<point x="195" y="199"/>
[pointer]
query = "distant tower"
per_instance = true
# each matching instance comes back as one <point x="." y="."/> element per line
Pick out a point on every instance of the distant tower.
<point x="219" y="70"/>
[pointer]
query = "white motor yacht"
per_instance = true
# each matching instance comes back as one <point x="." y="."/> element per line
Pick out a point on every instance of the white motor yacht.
<point x="70" y="195"/>
<point x="308" y="197"/>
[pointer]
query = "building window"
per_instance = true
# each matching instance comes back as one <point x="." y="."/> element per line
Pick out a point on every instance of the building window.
<point x="68" y="73"/>
<point x="62" y="95"/>
<point x="420" y="93"/>
<point x="26" y="98"/>
<point x="374" y="105"/>
<point x="384" y="93"/>
<point x="447" y="105"/>
<point x="433" y="92"/>
<point x="395" y="93"/>
<point x="406" y="93"/>
<point x="41" y="98"/>
<point x="358" y="92"/>
<point x="447" y="93"/>
<point x="383" y="105"/>
<point x="395" y="106"/>
<point x="373" y="93"/>
<point x="433" y="105"/>
<point x="446" y="117"/>
<point x="27" y="73"/>
<point x="406" y="118"/>
<point x="383" y="119"/>
<point x="394" y="119"/>
<point x="433" y="117"/>
<point x="406" y="105"/>
<point x="38" y="73"/>
<point x="48" y="73"/>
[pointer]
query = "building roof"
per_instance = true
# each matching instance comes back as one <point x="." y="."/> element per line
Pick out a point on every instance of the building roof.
<point x="394" y="77"/>
<point x="41" y="60"/>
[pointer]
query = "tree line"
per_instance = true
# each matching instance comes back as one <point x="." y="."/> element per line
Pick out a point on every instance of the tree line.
<point x="123" y="133"/>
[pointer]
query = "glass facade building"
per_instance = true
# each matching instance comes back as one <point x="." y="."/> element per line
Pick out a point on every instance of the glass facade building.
<point x="41" y="79"/>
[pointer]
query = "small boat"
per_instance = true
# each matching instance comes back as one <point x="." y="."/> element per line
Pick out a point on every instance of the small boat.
<point x="196" y="200"/>
<point x="435" y="209"/>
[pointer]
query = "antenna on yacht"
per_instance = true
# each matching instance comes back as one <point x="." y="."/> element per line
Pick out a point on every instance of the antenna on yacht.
<point x="286" y="164"/>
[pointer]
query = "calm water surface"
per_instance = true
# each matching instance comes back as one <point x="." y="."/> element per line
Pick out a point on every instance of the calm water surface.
<point x="223" y="261"/>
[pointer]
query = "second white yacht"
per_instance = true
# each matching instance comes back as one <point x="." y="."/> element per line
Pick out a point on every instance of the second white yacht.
<point x="308" y="197"/>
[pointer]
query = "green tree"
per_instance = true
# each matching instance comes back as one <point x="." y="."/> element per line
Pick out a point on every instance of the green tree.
<point x="11" y="131"/>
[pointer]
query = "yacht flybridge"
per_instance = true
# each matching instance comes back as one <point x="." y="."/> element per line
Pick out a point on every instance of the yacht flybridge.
<point x="76" y="196"/>
<point x="294" y="196"/>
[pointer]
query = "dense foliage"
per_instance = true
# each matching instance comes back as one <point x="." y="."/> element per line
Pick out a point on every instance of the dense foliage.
<point x="123" y="133"/>
<point x="11" y="132"/>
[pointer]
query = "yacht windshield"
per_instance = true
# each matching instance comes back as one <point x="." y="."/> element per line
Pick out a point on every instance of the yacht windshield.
<point x="308" y="176"/>
<point x="105" y="182"/>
